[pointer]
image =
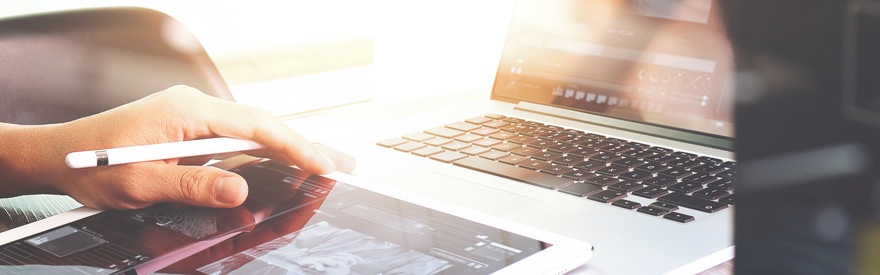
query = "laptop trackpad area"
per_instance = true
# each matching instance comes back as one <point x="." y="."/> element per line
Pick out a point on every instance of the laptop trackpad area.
<point x="465" y="193"/>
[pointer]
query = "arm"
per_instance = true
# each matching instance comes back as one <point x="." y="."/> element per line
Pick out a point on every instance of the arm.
<point x="32" y="157"/>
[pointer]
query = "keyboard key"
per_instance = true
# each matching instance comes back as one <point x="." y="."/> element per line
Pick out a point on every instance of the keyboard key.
<point x="494" y="155"/>
<point x="525" y="151"/>
<point x="684" y="154"/>
<point x="679" y="217"/>
<point x="479" y="120"/>
<point x="409" y="146"/>
<point x="522" y="139"/>
<point x="456" y="146"/>
<point x="605" y="157"/>
<point x="495" y="116"/>
<point x="727" y="200"/>
<point x="391" y="142"/>
<point x="675" y="172"/>
<point x="444" y="132"/>
<point x="692" y="202"/>
<point x="639" y="145"/>
<point x="563" y="148"/>
<point x="547" y="156"/>
<point x="709" y="160"/>
<point x="700" y="178"/>
<point x="653" y="211"/>
<point x="626" y="186"/>
<point x="660" y="181"/>
<point x="711" y="193"/>
<point x="555" y="169"/>
<point x="584" y="152"/>
<point x="662" y="159"/>
<point x="496" y="124"/>
<point x="607" y="196"/>
<point x="511" y="172"/>
<point x="514" y="159"/>
<point x="686" y="187"/>
<point x="463" y="126"/>
<point x="419" y="137"/>
<point x="725" y="184"/>
<point x="569" y="161"/>
<point x="580" y="189"/>
<point x="474" y="150"/>
<point x="665" y="206"/>
<point x="534" y="164"/>
<point x="618" y="149"/>
<point x="729" y="164"/>
<point x="437" y="141"/>
<point x="612" y="170"/>
<point x="650" y="192"/>
<point x="626" y="204"/>
<point x="427" y="151"/>
<point x="685" y="163"/>
<point x="485" y="131"/>
<point x="640" y="154"/>
<point x="708" y="168"/>
<point x="628" y="162"/>
<point x="636" y="175"/>
<point x="468" y="138"/>
<point x="729" y="173"/>
<point x="653" y="167"/>
<point x="579" y="175"/>
<point x="513" y="119"/>
<point x="506" y="146"/>
<point x="448" y="156"/>
<point x="486" y="142"/>
<point x="662" y="150"/>
<point x="502" y="135"/>
<point x="541" y="143"/>
<point x="602" y="180"/>
<point x="590" y="165"/>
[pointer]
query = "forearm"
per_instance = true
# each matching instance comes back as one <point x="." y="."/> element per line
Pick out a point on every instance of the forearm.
<point x="27" y="162"/>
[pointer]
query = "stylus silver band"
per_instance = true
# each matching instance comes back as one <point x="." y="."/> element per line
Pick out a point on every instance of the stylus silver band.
<point x="101" y="157"/>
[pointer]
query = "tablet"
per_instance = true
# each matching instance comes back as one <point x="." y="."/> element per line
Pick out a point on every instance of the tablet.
<point x="292" y="222"/>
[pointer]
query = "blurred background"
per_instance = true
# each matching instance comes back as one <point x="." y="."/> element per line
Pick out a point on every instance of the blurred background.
<point x="300" y="55"/>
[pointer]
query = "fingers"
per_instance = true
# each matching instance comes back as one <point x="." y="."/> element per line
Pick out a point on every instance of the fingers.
<point x="197" y="185"/>
<point x="223" y="118"/>
<point x="344" y="162"/>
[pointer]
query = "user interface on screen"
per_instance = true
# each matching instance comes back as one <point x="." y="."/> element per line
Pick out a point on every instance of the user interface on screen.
<point x="292" y="222"/>
<point x="662" y="62"/>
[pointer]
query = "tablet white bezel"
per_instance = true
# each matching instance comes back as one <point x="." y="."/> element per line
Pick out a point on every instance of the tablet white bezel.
<point x="565" y="253"/>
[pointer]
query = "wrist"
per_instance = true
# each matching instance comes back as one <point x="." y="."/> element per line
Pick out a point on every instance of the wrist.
<point x="28" y="160"/>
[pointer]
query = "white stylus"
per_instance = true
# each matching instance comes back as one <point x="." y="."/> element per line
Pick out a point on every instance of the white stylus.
<point x="189" y="148"/>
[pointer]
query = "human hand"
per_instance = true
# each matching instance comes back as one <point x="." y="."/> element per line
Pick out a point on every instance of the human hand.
<point x="176" y="114"/>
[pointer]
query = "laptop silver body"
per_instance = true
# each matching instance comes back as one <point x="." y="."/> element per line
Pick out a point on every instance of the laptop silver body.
<point x="563" y="63"/>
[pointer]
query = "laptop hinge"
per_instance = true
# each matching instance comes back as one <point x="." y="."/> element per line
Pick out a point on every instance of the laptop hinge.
<point x="684" y="136"/>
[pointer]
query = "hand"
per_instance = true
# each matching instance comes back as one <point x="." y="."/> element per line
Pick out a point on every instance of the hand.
<point x="176" y="114"/>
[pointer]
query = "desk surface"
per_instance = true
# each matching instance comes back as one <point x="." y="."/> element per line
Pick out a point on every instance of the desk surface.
<point x="21" y="210"/>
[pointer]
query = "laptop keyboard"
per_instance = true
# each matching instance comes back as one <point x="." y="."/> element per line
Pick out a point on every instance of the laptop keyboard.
<point x="603" y="169"/>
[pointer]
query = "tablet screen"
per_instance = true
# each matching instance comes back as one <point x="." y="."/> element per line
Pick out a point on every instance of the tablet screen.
<point x="292" y="222"/>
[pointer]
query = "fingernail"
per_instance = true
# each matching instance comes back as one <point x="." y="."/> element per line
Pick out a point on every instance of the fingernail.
<point x="229" y="189"/>
<point x="327" y="160"/>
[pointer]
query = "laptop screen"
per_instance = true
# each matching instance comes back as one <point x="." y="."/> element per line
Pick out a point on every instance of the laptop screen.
<point x="662" y="62"/>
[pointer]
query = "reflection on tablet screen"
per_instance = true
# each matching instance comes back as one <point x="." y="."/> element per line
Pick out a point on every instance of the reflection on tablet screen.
<point x="293" y="222"/>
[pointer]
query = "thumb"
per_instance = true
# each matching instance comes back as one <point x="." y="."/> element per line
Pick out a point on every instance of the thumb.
<point x="204" y="186"/>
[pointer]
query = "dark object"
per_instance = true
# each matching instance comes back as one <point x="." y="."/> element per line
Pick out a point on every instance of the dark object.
<point x="61" y="66"/>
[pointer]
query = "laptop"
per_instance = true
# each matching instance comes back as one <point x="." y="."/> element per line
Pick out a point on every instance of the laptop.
<point x="608" y="122"/>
